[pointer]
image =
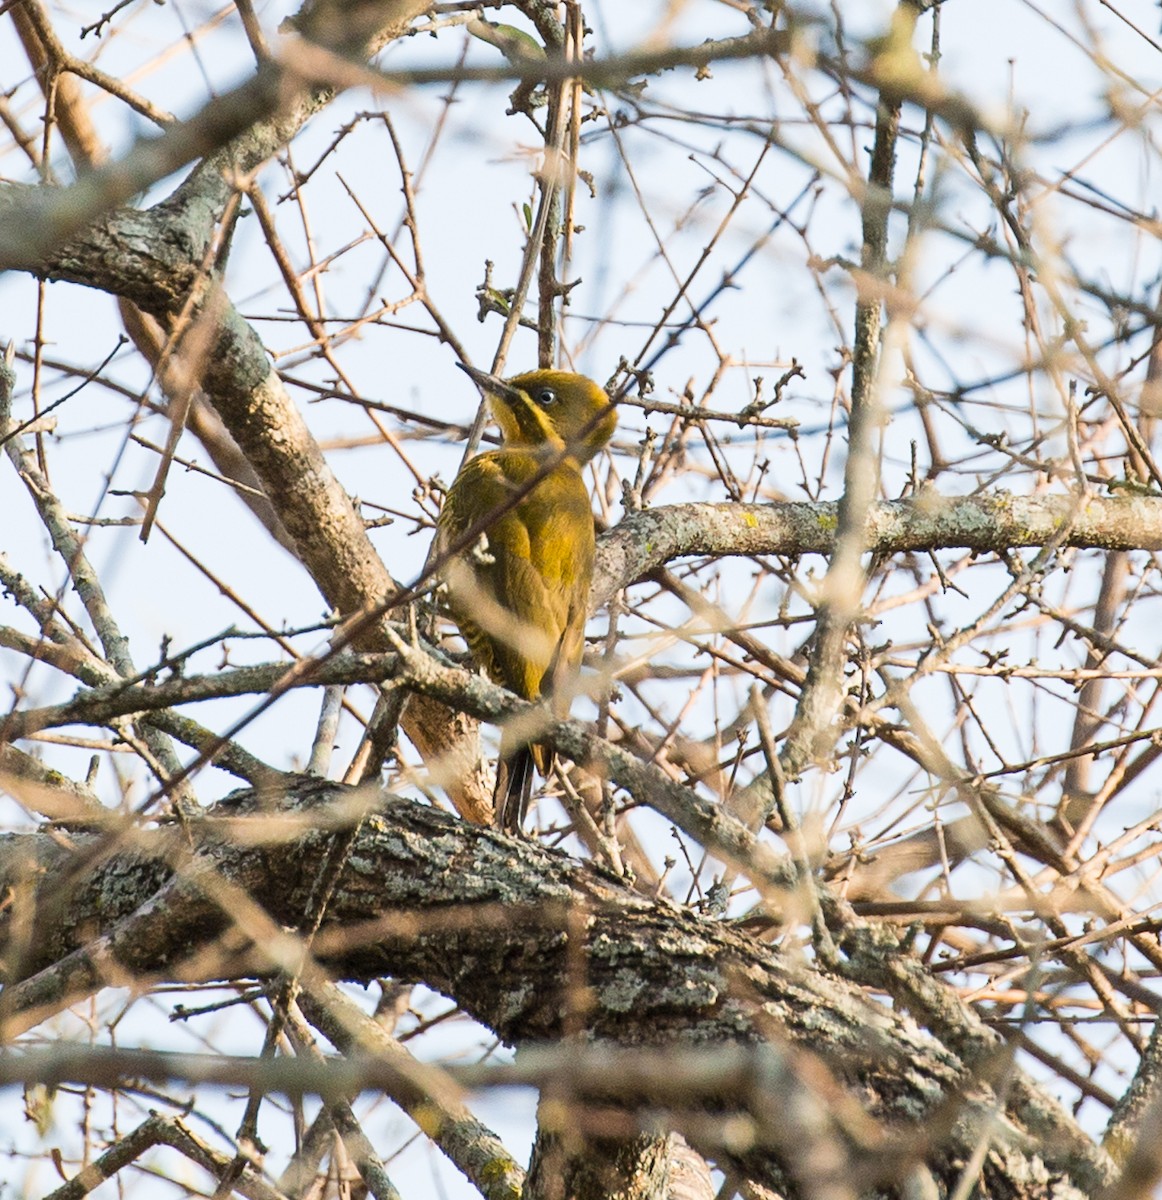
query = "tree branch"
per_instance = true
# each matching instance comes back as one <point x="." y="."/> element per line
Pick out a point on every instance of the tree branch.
<point x="501" y="926"/>
<point x="991" y="522"/>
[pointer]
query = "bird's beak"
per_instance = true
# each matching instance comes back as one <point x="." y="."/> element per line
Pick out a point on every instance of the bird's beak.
<point x="492" y="385"/>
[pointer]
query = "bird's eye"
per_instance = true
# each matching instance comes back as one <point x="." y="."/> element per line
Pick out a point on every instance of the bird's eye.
<point x="546" y="397"/>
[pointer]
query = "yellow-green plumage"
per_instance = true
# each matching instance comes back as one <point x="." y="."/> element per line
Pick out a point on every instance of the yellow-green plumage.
<point x="520" y="593"/>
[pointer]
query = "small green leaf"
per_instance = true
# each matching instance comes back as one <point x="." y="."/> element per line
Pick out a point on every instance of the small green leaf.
<point x="516" y="45"/>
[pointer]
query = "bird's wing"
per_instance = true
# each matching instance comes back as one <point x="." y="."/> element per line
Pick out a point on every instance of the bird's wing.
<point x="516" y="596"/>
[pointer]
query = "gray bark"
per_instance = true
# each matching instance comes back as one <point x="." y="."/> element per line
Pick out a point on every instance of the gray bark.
<point x="503" y="927"/>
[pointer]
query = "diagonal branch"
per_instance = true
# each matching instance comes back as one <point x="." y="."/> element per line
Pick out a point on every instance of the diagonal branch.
<point x="501" y="925"/>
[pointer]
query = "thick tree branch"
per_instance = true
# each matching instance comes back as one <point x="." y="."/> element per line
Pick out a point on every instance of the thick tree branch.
<point x="501" y="926"/>
<point x="151" y="259"/>
<point x="993" y="522"/>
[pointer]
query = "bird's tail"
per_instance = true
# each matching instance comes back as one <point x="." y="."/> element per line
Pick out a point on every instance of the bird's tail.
<point x="514" y="784"/>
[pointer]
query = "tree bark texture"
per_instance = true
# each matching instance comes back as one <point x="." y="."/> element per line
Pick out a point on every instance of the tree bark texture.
<point x="538" y="947"/>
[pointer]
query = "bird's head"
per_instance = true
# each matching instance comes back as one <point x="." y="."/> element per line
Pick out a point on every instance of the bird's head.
<point x="549" y="409"/>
